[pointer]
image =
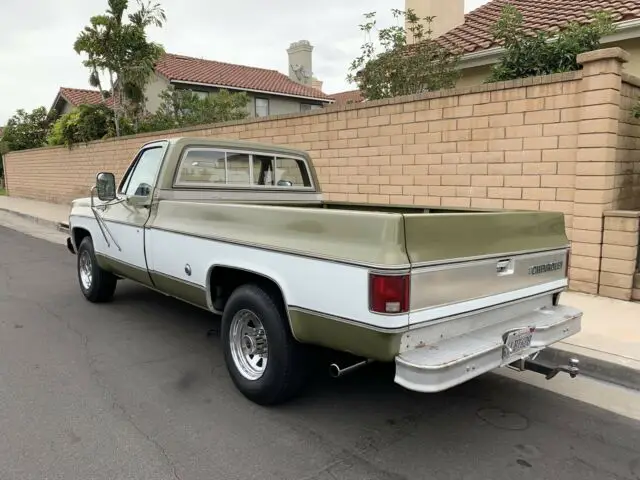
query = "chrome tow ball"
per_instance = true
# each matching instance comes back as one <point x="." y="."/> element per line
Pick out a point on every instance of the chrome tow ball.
<point x="547" y="370"/>
<point x="572" y="369"/>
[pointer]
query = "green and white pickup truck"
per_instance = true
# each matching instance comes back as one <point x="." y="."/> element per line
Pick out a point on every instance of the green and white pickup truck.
<point x="242" y="230"/>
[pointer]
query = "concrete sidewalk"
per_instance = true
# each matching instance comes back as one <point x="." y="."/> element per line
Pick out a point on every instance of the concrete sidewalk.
<point x="608" y="346"/>
<point x="51" y="214"/>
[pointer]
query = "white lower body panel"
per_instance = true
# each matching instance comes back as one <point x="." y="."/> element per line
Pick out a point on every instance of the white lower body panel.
<point x="441" y="365"/>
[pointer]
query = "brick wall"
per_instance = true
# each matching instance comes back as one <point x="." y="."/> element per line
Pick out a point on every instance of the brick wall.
<point x="508" y="145"/>
<point x="555" y="143"/>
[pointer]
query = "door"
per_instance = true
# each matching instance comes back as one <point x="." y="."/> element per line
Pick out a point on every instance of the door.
<point x="126" y="217"/>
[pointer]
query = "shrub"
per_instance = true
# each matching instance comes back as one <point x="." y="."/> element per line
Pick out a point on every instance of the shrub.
<point x="406" y="66"/>
<point x="82" y="125"/>
<point x="545" y="52"/>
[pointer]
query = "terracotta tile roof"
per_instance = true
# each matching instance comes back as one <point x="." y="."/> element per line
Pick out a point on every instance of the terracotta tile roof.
<point x="209" y="72"/>
<point x="475" y="33"/>
<point x="78" y="96"/>
<point x="352" y="96"/>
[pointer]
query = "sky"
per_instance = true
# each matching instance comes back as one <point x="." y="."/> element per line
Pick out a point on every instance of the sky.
<point x="37" y="36"/>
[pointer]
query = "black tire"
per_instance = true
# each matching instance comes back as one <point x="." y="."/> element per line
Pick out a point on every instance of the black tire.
<point x="102" y="285"/>
<point x="285" y="371"/>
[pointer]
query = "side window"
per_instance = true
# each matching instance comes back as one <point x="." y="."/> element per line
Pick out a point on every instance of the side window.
<point x="238" y="169"/>
<point x="202" y="166"/>
<point x="290" y="172"/>
<point x="143" y="176"/>
<point x="305" y="107"/>
<point x="262" y="107"/>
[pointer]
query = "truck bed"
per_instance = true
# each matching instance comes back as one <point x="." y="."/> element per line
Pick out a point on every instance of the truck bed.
<point x="370" y="235"/>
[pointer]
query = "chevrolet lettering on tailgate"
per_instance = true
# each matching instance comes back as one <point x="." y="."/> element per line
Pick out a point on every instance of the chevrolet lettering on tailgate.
<point x="545" y="267"/>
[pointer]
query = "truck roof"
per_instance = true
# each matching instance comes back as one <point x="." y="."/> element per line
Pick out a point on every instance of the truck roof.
<point x="176" y="146"/>
<point x="232" y="143"/>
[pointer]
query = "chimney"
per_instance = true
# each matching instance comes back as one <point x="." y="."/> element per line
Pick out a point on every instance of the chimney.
<point x="448" y="14"/>
<point x="300" y="62"/>
<point x="317" y="84"/>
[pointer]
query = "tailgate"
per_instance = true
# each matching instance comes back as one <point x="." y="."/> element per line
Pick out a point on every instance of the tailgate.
<point x="463" y="262"/>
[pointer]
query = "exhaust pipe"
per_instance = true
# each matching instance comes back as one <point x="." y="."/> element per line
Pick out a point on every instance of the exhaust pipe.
<point x="335" y="371"/>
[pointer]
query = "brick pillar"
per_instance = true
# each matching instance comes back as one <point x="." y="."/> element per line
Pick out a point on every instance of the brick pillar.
<point x="595" y="162"/>
<point x="619" y="254"/>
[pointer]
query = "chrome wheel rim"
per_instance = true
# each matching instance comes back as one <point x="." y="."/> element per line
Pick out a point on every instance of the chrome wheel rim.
<point x="86" y="275"/>
<point x="248" y="342"/>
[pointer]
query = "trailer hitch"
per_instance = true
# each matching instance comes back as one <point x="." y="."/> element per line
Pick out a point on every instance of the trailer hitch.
<point x="548" y="371"/>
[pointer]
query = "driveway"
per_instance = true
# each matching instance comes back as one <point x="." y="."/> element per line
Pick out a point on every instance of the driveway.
<point x="136" y="389"/>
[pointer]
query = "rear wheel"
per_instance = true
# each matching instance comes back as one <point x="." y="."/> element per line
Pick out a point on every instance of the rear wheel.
<point x="264" y="361"/>
<point x="97" y="284"/>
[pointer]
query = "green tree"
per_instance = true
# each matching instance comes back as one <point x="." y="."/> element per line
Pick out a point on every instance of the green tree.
<point x="83" y="124"/>
<point x="406" y="65"/>
<point x="183" y="108"/>
<point x="121" y="51"/>
<point x="26" y="130"/>
<point x="544" y="53"/>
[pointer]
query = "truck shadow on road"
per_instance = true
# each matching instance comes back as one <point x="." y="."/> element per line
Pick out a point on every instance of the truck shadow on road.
<point x="365" y="419"/>
<point x="155" y="358"/>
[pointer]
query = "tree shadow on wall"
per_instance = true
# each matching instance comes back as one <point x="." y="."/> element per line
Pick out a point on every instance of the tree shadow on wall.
<point x="629" y="194"/>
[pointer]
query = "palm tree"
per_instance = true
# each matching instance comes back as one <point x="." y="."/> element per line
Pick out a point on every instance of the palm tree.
<point x="122" y="52"/>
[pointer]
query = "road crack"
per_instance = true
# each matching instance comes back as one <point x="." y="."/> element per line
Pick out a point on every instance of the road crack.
<point x="115" y="404"/>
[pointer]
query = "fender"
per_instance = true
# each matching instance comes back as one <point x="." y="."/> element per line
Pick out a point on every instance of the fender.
<point x="269" y="276"/>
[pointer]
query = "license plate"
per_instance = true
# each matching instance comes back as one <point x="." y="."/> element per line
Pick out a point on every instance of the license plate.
<point x="517" y="341"/>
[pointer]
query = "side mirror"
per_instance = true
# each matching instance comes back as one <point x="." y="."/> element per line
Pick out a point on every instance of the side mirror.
<point x="285" y="183"/>
<point x="106" y="186"/>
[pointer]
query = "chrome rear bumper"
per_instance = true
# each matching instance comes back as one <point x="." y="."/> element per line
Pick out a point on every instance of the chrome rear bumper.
<point x="445" y="364"/>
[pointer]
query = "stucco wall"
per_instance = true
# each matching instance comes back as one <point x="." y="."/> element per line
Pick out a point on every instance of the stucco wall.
<point x="278" y="105"/>
<point x="154" y="88"/>
<point x="473" y="76"/>
<point x="633" y="47"/>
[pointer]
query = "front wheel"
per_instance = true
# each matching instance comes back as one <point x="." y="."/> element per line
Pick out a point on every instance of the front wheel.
<point x="265" y="362"/>
<point x="97" y="285"/>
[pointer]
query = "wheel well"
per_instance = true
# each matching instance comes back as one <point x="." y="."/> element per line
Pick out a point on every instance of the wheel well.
<point x="78" y="235"/>
<point x="224" y="280"/>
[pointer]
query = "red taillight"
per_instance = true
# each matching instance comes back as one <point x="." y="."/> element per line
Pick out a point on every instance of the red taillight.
<point x="388" y="293"/>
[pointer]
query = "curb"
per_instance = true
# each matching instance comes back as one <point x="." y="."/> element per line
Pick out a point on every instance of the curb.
<point x="593" y="367"/>
<point x="60" y="226"/>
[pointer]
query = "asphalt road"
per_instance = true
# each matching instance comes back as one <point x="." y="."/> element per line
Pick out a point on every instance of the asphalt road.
<point x="137" y="390"/>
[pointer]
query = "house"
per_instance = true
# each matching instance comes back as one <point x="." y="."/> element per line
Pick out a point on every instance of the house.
<point x="270" y="92"/>
<point x="471" y="34"/>
<point x="69" y="98"/>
